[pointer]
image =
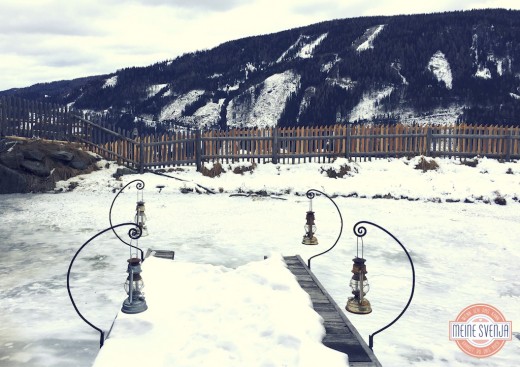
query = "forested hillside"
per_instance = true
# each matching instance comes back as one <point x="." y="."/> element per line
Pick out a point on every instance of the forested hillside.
<point x="428" y="68"/>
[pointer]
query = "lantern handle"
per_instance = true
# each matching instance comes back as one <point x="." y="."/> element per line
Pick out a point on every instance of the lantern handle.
<point x="139" y="186"/>
<point x="360" y="231"/>
<point x="133" y="233"/>
<point x="311" y="194"/>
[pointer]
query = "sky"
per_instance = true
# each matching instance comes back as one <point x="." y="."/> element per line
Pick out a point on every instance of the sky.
<point x="49" y="40"/>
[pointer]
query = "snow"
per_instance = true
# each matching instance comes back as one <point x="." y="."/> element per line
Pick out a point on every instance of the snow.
<point x="483" y="73"/>
<point x="209" y="114"/>
<point x="303" y="47"/>
<point x="464" y="252"/>
<point x="152" y="90"/>
<point x="326" y="67"/>
<point x="515" y="96"/>
<point x="269" y="322"/>
<point x="440" y="116"/>
<point x="344" y="83"/>
<point x="367" y="107"/>
<point x="440" y="68"/>
<point x="110" y="82"/>
<point x="369" y="36"/>
<point x="307" y="50"/>
<point x="397" y="67"/>
<point x="174" y="109"/>
<point x="262" y="105"/>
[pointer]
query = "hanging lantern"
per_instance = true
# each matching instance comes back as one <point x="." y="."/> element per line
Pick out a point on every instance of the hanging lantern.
<point x="360" y="287"/>
<point x="135" y="303"/>
<point x="140" y="218"/>
<point x="310" y="227"/>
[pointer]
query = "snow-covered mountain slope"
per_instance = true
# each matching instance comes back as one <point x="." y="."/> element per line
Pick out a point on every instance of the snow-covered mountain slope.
<point x="366" y="41"/>
<point x="302" y="48"/>
<point x="174" y="109"/>
<point x="262" y="105"/>
<point x="369" y="69"/>
<point x="368" y="106"/>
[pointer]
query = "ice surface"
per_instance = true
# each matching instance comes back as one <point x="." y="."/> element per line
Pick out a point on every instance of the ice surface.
<point x="464" y="253"/>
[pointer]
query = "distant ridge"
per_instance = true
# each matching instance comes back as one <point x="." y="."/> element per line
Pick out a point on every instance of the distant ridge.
<point x="426" y="68"/>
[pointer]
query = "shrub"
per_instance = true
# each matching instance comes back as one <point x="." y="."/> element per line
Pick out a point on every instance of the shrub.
<point x="239" y="170"/>
<point x="500" y="200"/>
<point x="214" y="171"/>
<point x="332" y="172"/>
<point x="427" y="165"/>
<point x="509" y="171"/>
<point x="470" y="162"/>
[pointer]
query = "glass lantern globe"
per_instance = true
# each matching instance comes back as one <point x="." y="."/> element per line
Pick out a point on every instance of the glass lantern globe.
<point x="141" y="218"/>
<point x="360" y="287"/>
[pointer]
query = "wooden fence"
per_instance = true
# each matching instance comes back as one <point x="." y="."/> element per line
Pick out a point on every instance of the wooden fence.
<point x="20" y="117"/>
<point x="277" y="145"/>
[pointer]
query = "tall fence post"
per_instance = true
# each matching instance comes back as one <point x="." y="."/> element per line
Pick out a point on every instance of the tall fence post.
<point x="347" y="141"/>
<point x="141" y="156"/>
<point x="428" y="141"/>
<point x="276" y="145"/>
<point x="198" y="150"/>
<point x="509" y="145"/>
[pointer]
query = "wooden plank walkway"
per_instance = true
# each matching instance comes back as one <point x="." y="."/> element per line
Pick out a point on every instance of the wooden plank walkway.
<point x="341" y="335"/>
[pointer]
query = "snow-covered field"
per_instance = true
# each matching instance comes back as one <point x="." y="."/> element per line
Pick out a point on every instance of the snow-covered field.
<point x="464" y="244"/>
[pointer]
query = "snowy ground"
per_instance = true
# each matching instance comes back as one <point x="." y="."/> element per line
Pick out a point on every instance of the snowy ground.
<point x="465" y="248"/>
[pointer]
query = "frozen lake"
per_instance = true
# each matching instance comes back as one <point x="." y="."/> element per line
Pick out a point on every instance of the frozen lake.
<point x="463" y="254"/>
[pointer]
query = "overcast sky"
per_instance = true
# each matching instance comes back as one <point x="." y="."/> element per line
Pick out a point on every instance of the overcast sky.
<point x="48" y="40"/>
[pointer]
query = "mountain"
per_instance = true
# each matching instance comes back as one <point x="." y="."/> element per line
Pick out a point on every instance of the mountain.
<point x="427" y="68"/>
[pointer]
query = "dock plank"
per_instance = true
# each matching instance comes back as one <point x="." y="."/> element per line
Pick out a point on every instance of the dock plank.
<point x="340" y="335"/>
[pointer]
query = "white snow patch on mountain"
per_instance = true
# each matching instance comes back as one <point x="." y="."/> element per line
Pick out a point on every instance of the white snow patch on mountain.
<point x="440" y="67"/>
<point x="174" y="109"/>
<point x="367" y="108"/>
<point x="325" y="68"/>
<point x="345" y="83"/>
<point x="397" y="67"/>
<point x="483" y="73"/>
<point x="306" y="51"/>
<point x="209" y="114"/>
<point x="440" y="116"/>
<point x="303" y="47"/>
<point x="515" y="96"/>
<point x="152" y="90"/>
<point x="249" y="68"/>
<point x="262" y="105"/>
<point x="110" y="82"/>
<point x="369" y="36"/>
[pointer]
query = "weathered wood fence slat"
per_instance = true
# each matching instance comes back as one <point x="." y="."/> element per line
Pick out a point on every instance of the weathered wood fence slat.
<point x="272" y="144"/>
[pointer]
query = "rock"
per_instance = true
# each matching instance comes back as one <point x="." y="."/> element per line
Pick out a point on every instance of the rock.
<point x="123" y="171"/>
<point x="62" y="155"/>
<point x="79" y="164"/>
<point x="35" y="168"/>
<point x="26" y="165"/>
<point x="11" y="160"/>
<point x="33" y="155"/>
<point x="12" y="182"/>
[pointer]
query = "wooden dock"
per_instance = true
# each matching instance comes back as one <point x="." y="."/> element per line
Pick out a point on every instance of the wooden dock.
<point x="341" y="335"/>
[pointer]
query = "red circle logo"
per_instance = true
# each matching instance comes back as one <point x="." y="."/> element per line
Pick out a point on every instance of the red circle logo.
<point x="480" y="330"/>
